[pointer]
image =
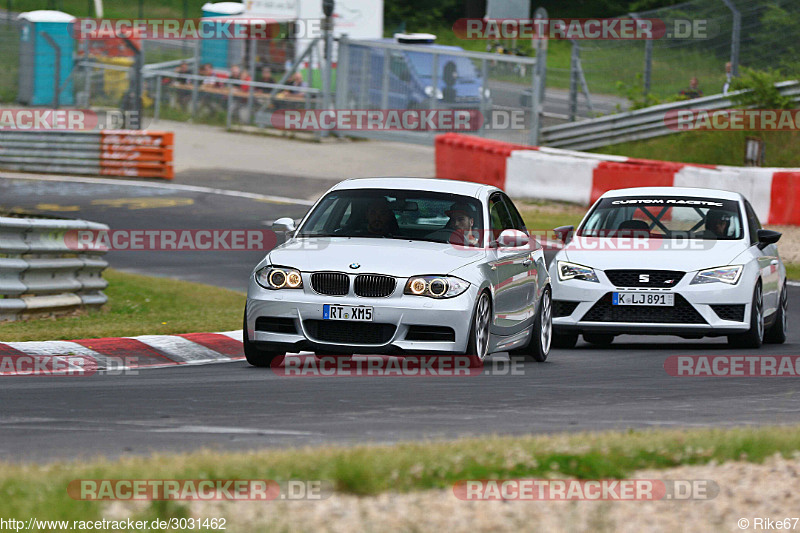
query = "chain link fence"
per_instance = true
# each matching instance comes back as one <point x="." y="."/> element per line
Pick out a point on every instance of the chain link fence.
<point x="389" y="76"/>
<point x="701" y="37"/>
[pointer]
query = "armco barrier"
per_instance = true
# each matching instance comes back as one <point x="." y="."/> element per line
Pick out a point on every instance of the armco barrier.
<point x="580" y="177"/>
<point x="40" y="274"/>
<point x="131" y="153"/>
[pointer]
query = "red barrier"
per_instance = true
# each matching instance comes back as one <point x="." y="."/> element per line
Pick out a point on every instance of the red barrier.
<point x="133" y="153"/>
<point x="785" y="198"/>
<point x="469" y="158"/>
<point x="611" y="175"/>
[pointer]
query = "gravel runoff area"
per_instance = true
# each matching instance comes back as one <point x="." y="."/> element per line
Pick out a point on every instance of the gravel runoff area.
<point x="746" y="491"/>
<point x="789" y="245"/>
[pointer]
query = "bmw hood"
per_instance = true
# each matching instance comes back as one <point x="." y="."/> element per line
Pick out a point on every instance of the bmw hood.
<point x="394" y="257"/>
<point x="650" y="254"/>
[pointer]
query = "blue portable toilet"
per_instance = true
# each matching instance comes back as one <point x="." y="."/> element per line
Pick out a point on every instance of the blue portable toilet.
<point x="221" y="53"/>
<point x="37" y="58"/>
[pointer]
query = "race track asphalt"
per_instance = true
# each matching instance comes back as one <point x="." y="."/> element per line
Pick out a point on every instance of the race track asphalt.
<point x="234" y="406"/>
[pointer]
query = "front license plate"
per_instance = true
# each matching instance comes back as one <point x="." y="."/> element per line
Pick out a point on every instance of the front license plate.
<point x="353" y="313"/>
<point x="643" y="298"/>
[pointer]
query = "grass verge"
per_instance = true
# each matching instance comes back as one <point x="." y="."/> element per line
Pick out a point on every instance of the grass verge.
<point x="793" y="271"/>
<point x="712" y="148"/>
<point x="40" y="489"/>
<point x="140" y="305"/>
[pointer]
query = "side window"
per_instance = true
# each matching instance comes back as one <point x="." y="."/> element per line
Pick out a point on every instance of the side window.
<point x="516" y="218"/>
<point x="752" y="222"/>
<point x="500" y="219"/>
<point x="398" y="67"/>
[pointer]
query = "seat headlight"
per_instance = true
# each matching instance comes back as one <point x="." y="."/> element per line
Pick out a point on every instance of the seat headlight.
<point x="435" y="286"/>
<point x="271" y="277"/>
<point x="726" y="274"/>
<point x="567" y="270"/>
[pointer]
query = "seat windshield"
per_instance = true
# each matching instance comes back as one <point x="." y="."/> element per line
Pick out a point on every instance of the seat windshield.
<point x="664" y="217"/>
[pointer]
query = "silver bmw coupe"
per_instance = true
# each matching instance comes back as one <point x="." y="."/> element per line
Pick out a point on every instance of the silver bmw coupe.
<point x="402" y="266"/>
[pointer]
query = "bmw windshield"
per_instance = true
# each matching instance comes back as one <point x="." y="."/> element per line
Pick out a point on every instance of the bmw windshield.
<point x="411" y="215"/>
<point x="664" y="217"/>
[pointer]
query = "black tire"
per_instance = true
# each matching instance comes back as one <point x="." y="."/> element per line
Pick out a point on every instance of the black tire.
<point x="478" y="345"/>
<point x="776" y="334"/>
<point x="754" y="337"/>
<point x="254" y="355"/>
<point x="599" y="339"/>
<point x="541" y="338"/>
<point x="564" y="340"/>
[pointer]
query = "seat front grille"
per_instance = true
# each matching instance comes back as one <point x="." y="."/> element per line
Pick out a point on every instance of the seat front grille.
<point x="655" y="279"/>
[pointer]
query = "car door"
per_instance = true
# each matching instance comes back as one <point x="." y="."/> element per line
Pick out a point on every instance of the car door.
<point x="768" y="262"/>
<point x="509" y="271"/>
<point x="535" y="256"/>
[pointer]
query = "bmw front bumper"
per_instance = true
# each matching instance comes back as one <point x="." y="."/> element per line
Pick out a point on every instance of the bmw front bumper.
<point x="395" y="318"/>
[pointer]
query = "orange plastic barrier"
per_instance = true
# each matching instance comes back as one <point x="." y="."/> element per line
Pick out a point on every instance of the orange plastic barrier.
<point x="133" y="153"/>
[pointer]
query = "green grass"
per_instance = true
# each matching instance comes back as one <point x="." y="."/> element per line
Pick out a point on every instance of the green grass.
<point x="113" y="8"/>
<point x="546" y="215"/>
<point x="712" y="147"/>
<point x="140" y="305"/>
<point x="793" y="271"/>
<point x="39" y="490"/>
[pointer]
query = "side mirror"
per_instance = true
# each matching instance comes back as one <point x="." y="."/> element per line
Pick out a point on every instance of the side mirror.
<point x="565" y="233"/>
<point x="766" y="237"/>
<point x="284" y="224"/>
<point x="512" y="238"/>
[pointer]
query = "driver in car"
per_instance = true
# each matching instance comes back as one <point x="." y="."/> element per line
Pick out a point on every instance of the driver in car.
<point x="380" y="218"/>
<point x="462" y="220"/>
<point x="717" y="222"/>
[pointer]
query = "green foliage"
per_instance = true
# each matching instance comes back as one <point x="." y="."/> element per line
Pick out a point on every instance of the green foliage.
<point x="759" y="90"/>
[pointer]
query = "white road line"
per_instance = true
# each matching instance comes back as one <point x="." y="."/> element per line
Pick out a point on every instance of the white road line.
<point x="793" y="283"/>
<point x="230" y="430"/>
<point x="170" y="186"/>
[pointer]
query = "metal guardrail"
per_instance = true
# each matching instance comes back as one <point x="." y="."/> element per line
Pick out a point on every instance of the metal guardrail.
<point x="146" y="154"/>
<point x="640" y="124"/>
<point x="41" y="275"/>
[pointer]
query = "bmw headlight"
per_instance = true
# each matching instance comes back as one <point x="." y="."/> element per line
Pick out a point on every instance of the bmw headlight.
<point x="567" y="270"/>
<point x="429" y="92"/>
<point x="726" y="274"/>
<point x="435" y="286"/>
<point x="271" y="277"/>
